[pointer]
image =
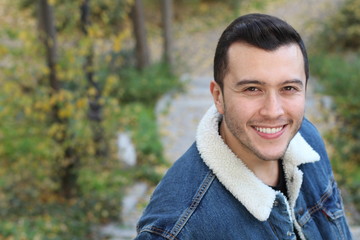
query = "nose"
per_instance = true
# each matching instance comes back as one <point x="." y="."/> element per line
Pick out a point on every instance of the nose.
<point x="272" y="106"/>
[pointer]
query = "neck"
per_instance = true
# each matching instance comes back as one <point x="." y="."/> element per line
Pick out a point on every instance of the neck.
<point x="267" y="171"/>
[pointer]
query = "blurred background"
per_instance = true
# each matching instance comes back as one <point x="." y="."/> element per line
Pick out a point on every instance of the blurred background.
<point x="99" y="97"/>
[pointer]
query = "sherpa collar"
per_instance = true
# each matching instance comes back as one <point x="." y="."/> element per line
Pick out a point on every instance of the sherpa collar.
<point x="257" y="197"/>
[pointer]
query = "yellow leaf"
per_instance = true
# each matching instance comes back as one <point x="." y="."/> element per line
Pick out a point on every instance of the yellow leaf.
<point x="92" y="92"/>
<point x="42" y="117"/>
<point x="53" y="100"/>
<point x="23" y="35"/>
<point x="66" y="112"/>
<point x="38" y="105"/>
<point x="204" y="7"/>
<point x="102" y="101"/>
<point x="111" y="80"/>
<point x="28" y="111"/>
<point x="54" y="129"/>
<point x="81" y="103"/>
<point x="44" y="70"/>
<point x="118" y="40"/>
<point x="3" y="50"/>
<point x="61" y="96"/>
<point x="117" y="44"/>
<point x="52" y="2"/>
<point x="9" y="87"/>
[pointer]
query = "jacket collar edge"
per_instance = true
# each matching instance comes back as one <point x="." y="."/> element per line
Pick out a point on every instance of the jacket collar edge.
<point x="238" y="179"/>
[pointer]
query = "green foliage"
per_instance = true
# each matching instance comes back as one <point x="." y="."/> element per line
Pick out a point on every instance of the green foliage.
<point x="342" y="32"/>
<point x="39" y="126"/>
<point x="106" y="15"/>
<point x="148" y="85"/>
<point x="339" y="77"/>
<point x="200" y="15"/>
<point x="53" y="221"/>
<point x="336" y="63"/>
<point x="142" y="124"/>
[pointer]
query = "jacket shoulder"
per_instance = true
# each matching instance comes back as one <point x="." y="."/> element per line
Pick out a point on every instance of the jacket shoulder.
<point x="312" y="136"/>
<point x="173" y="196"/>
<point x="320" y="168"/>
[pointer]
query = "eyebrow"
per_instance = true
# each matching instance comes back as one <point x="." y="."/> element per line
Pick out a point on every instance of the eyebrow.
<point x="294" y="81"/>
<point x="249" y="82"/>
<point x="257" y="82"/>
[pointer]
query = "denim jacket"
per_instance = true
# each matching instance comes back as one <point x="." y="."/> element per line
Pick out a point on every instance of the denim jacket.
<point x="209" y="193"/>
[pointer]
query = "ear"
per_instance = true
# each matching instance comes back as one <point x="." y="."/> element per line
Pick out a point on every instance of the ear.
<point x="217" y="96"/>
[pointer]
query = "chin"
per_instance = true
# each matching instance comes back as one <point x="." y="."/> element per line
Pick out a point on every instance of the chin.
<point x="272" y="157"/>
<point x="274" y="152"/>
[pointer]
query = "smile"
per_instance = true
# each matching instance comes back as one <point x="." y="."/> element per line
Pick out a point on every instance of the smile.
<point x="269" y="130"/>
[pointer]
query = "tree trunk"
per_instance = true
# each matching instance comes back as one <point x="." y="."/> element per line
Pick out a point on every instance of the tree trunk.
<point x="95" y="108"/>
<point x="48" y="37"/>
<point x="47" y="31"/>
<point x="167" y="16"/>
<point x="141" y="47"/>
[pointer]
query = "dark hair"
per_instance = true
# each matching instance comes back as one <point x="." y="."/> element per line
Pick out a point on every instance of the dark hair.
<point x="259" y="30"/>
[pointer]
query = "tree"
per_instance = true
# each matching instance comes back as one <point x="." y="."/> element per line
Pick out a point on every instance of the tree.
<point x="66" y="168"/>
<point x="95" y="108"/>
<point x="48" y="37"/>
<point x="139" y="30"/>
<point x="167" y="17"/>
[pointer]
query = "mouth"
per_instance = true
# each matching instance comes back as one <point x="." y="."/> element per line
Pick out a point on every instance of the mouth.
<point x="270" y="132"/>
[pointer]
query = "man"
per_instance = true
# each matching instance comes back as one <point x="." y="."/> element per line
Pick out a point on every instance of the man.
<point x="258" y="169"/>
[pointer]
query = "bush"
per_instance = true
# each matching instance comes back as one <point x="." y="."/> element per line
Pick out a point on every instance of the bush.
<point x="29" y="151"/>
<point x="146" y="86"/>
<point x="339" y="78"/>
<point x="32" y="205"/>
<point x="336" y="63"/>
<point x="140" y="121"/>
<point x="342" y="32"/>
<point x="50" y="139"/>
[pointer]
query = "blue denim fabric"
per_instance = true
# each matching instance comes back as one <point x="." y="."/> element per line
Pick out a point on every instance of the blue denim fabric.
<point x="190" y="203"/>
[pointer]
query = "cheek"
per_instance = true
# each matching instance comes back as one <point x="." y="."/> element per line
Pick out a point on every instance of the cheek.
<point x="296" y="108"/>
<point x="242" y="109"/>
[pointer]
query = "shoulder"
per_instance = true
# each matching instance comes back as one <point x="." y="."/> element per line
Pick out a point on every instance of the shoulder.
<point x="187" y="169"/>
<point x="174" y="194"/>
<point x="309" y="131"/>
<point x="312" y="136"/>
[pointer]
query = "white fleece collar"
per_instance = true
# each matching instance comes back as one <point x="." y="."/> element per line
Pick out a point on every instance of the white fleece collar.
<point x="257" y="197"/>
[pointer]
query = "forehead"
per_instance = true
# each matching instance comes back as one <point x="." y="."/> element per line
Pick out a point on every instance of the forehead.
<point x="241" y="50"/>
<point x="247" y="61"/>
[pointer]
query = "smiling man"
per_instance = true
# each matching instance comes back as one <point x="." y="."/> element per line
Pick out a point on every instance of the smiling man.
<point x="258" y="169"/>
<point x="262" y="102"/>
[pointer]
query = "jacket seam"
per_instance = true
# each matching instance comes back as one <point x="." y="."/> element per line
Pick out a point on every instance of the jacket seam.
<point x="340" y="229"/>
<point x="320" y="203"/>
<point x="318" y="206"/>
<point x="185" y="216"/>
<point x="160" y="232"/>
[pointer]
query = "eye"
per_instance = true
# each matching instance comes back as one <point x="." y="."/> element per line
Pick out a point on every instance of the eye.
<point x="290" y="89"/>
<point x="252" y="89"/>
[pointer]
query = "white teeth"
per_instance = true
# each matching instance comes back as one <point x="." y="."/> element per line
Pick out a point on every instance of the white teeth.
<point x="268" y="130"/>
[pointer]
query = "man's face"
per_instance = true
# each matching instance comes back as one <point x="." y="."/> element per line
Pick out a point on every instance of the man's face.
<point x="263" y="100"/>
